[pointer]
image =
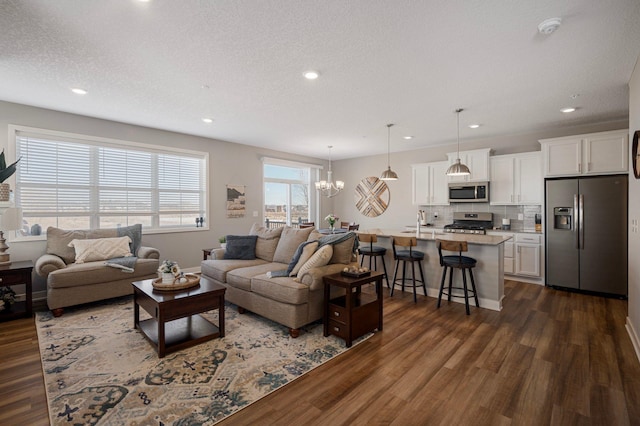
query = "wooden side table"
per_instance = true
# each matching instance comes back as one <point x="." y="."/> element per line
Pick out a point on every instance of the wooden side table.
<point x="356" y="313"/>
<point x="17" y="273"/>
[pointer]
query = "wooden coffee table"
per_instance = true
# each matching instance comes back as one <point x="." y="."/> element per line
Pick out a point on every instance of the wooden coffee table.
<point x="175" y="323"/>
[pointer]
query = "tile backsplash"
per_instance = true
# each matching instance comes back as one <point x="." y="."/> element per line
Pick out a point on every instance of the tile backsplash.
<point x="445" y="214"/>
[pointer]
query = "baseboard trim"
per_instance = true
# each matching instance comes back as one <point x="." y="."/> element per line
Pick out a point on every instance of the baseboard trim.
<point x="484" y="303"/>
<point x="634" y="337"/>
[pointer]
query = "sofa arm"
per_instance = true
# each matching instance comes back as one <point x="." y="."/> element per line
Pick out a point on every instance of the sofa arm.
<point x="217" y="254"/>
<point x="47" y="263"/>
<point x="313" y="277"/>
<point x="148" y="253"/>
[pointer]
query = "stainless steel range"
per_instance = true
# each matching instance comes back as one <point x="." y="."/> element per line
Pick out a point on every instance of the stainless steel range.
<point x="470" y="223"/>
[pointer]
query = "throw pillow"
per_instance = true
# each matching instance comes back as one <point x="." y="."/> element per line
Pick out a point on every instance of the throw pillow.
<point x="88" y="250"/>
<point x="343" y="252"/>
<point x="307" y="251"/>
<point x="135" y="233"/>
<point x="58" y="240"/>
<point x="321" y="257"/>
<point x="289" y="241"/>
<point x="241" y="247"/>
<point x="267" y="241"/>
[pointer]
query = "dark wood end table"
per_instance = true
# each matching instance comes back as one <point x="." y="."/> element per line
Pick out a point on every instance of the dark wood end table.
<point x="17" y="273"/>
<point x="175" y="323"/>
<point x="356" y="313"/>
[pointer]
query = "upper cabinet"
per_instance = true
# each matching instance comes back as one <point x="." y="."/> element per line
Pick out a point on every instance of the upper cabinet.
<point x="430" y="183"/>
<point x="516" y="179"/>
<point x="478" y="162"/>
<point x="590" y="154"/>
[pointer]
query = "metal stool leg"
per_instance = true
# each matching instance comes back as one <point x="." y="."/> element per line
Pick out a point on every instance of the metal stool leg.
<point x="464" y="284"/>
<point x="395" y="274"/>
<point x="444" y="276"/>
<point x="473" y="286"/>
<point x="424" y="282"/>
<point x="450" y="283"/>
<point x="384" y="266"/>
<point x="413" y="277"/>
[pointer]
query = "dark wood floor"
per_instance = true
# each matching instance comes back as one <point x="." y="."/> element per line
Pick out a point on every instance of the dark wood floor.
<point x="550" y="357"/>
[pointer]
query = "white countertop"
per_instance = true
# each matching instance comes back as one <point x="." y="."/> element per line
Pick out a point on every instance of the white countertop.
<point x="433" y="234"/>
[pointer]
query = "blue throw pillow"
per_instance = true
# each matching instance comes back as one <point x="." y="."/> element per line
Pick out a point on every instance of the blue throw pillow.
<point x="135" y="233"/>
<point x="241" y="247"/>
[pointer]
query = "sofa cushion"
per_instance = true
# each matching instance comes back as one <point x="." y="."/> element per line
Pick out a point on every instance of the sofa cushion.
<point x="282" y="289"/>
<point x="90" y="250"/>
<point x="314" y="235"/>
<point x="81" y="274"/>
<point x="267" y="241"/>
<point x="290" y="239"/>
<point x="343" y="252"/>
<point x="58" y="240"/>
<point x="241" y="247"/>
<point x="241" y="277"/>
<point x="320" y="258"/>
<point x="218" y="269"/>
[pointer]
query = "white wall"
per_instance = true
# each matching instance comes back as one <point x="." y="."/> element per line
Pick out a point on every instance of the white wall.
<point x="633" y="321"/>
<point x="229" y="164"/>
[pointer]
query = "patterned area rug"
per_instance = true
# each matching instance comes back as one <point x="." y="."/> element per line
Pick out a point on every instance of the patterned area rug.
<point x="98" y="370"/>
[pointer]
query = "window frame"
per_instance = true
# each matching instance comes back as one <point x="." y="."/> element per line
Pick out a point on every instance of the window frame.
<point x="203" y="156"/>
<point x="314" y="171"/>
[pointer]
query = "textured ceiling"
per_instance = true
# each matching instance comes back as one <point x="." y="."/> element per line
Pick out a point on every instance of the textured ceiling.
<point x="166" y="64"/>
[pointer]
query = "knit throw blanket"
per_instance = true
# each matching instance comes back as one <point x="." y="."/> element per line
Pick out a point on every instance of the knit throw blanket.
<point x="331" y="239"/>
<point x="126" y="264"/>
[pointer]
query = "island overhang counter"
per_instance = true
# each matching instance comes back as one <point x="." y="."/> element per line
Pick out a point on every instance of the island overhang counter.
<point x="488" y="250"/>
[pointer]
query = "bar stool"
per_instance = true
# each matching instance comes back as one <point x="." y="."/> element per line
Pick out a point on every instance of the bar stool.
<point x="405" y="256"/>
<point x="373" y="252"/>
<point x="464" y="263"/>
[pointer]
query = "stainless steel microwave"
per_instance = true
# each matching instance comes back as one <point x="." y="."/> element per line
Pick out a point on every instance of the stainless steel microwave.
<point x="469" y="192"/>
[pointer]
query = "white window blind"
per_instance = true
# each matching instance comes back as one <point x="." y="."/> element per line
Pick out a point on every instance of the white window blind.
<point x="76" y="183"/>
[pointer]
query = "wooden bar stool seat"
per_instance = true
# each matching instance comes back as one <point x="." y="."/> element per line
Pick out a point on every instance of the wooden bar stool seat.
<point x="408" y="254"/>
<point x="373" y="252"/>
<point x="464" y="263"/>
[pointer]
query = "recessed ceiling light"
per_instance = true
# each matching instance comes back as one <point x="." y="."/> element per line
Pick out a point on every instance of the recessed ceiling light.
<point x="207" y="120"/>
<point x="567" y="110"/>
<point x="474" y="126"/>
<point x="408" y="137"/>
<point x="78" y="91"/>
<point x="311" y="75"/>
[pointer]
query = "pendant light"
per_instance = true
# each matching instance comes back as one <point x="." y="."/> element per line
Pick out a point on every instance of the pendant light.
<point x="389" y="174"/>
<point x="457" y="168"/>
<point x="327" y="187"/>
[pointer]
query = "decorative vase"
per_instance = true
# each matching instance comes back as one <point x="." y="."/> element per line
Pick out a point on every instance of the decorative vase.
<point x="5" y="191"/>
<point x="167" y="278"/>
<point x="333" y="229"/>
<point x="223" y="245"/>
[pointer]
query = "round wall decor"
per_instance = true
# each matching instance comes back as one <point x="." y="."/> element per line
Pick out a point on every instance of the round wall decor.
<point x="372" y="196"/>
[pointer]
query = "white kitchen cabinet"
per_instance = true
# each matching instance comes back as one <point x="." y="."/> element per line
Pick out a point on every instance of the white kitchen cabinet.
<point x="478" y="162"/>
<point x="430" y="184"/>
<point x="594" y="153"/>
<point x="516" y="179"/>
<point x="509" y="251"/>
<point x="527" y="254"/>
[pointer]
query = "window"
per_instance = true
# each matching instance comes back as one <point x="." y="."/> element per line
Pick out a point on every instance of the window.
<point x="81" y="182"/>
<point x="287" y="196"/>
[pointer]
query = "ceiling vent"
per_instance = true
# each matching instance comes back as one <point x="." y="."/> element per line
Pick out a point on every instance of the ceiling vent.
<point x="549" y="25"/>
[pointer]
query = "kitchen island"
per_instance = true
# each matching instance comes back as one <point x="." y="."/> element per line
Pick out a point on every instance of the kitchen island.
<point x="488" y="250"/>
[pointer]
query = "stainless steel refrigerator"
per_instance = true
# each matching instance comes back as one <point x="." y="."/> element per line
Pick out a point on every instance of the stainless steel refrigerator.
<point x="586" y="233"/>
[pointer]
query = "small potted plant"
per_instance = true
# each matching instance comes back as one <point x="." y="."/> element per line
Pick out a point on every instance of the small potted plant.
<point x="5" y="173"/>
<point x="223" y="242"/>
<point x="169" y="271"/>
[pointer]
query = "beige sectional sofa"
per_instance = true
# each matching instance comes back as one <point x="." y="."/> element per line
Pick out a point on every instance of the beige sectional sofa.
<point x="70" y="283"/>
<point x="293" y="301"/>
